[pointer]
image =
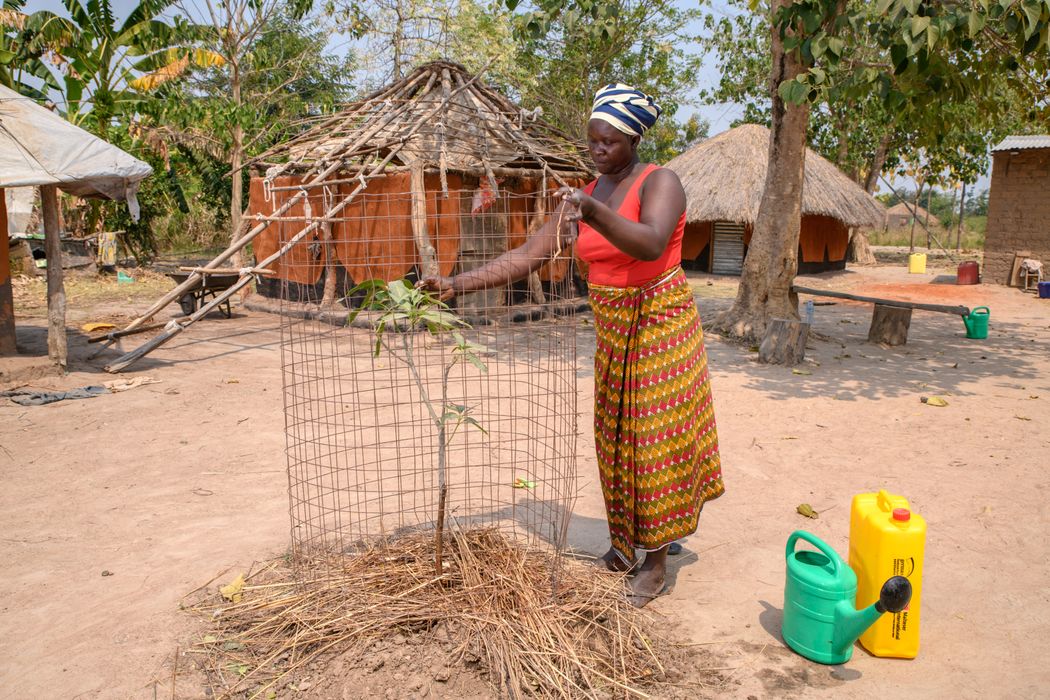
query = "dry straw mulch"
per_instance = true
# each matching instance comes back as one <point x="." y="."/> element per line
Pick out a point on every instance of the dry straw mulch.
<point x="494" y="598"/>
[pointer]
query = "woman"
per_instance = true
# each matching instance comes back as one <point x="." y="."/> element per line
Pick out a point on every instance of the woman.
<point x="654" y="424"/>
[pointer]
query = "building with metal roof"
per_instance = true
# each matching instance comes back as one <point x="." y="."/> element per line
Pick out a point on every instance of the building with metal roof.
<point x="1018" y="206"/>
<point x="1018" y="143"/>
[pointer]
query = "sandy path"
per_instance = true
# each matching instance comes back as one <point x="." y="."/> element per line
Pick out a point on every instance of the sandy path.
<point x="168" y="485"/>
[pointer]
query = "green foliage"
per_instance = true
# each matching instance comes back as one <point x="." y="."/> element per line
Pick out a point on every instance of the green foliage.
<point x="284" y="75"/>
<point x="408" y="309"/>
<point x="26" y="41"/>
<point x="97" y="61"/>
<point x="669" y="138"/>
<point x="934" y="121"/>
<point x="573" y="47"/>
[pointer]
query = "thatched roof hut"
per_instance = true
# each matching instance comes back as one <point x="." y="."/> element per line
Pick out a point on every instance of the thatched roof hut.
<point x="435" y="172"/>
<point x="724" y="178"/>
<point x="900" y="215"/>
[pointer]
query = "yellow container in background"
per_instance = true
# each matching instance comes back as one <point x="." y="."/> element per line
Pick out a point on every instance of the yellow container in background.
<point x="886" y="539"/>
<point x="917" y="263"/>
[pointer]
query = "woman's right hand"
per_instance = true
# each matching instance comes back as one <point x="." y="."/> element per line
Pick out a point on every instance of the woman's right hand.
<point x="441" y="285"/>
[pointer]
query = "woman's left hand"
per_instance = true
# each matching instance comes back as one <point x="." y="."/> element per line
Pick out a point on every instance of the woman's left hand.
<point x="578" y="204"/>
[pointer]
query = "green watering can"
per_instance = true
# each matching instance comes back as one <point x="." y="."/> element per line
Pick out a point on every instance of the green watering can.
<point x="977" y="323"/>
<point x="820" y="621"/>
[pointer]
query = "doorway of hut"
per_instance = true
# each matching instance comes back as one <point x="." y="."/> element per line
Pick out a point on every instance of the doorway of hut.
<point x="728" y="248"/>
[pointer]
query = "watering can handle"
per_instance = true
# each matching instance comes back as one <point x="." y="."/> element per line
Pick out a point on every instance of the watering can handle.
<point x="836" y="560"/>
<point x="980" y="308"/>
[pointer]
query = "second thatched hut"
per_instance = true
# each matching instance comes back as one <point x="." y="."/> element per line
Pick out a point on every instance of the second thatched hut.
<point x="724" y="178"/>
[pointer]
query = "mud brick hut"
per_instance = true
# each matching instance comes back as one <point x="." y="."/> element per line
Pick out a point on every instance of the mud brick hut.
<point x="437" y="172"/>
<point x="1018" y="205"/>
<point x="724" y="178"/>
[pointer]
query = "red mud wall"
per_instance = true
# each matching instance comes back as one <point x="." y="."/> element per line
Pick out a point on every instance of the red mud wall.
<point x="820" y="233"/>
<point x="372" y="236"/>
<point x="697" y="236"/>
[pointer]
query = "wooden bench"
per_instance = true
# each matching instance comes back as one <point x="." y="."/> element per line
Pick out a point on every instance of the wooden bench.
<point x="892" y="318"/>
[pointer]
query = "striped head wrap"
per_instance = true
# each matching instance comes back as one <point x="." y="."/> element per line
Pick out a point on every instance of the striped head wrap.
<point x="629" y="110"/>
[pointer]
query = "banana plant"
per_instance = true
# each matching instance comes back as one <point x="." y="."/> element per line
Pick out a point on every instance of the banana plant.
<point x="405" y="311"/>
<point x="105" y="67"/>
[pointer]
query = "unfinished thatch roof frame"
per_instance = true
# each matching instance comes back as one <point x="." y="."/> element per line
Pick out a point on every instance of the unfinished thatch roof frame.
<point x="438" y="116"/>
<point x="438" y="120"/>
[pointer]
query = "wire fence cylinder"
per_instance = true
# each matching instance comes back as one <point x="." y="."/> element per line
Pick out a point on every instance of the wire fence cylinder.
<point x="368" y="456"/>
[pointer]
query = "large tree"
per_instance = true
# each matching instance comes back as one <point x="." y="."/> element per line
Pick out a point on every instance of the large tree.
<point x="573" y="48"/>
<point x="928" y="54"/>
<point x="851" y="125"/>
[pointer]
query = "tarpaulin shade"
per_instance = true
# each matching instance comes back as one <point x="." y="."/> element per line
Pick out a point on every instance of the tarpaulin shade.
<point x="38" y="147"/>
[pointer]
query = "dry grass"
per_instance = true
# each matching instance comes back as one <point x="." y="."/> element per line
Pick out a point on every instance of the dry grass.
<point x="86" y="289"/>
<point x="494" y="599"/>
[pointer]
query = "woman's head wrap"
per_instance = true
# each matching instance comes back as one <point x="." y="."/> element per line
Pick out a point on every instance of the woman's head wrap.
<point x="629" y="110"/>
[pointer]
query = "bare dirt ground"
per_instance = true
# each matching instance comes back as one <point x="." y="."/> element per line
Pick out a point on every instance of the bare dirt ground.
<point x="115" y="508"/>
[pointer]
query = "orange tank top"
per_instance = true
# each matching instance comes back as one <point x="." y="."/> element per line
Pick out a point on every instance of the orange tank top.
<point x="609" y="266"/>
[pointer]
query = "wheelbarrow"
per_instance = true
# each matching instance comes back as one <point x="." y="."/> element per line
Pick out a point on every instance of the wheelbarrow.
<point x="210" y="285"/>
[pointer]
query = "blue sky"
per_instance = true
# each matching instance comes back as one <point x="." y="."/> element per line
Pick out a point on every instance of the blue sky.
<point x="719" y="116"/>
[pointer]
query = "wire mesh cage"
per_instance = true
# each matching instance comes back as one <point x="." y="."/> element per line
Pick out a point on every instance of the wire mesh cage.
<point x="392" y="426"/>
<point x="402" y="414"/>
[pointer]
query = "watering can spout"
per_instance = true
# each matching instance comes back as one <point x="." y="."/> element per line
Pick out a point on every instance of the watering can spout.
<point x="851" y="623"/>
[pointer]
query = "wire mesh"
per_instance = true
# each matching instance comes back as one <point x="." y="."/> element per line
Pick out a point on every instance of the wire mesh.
<point x="366" y="452"/>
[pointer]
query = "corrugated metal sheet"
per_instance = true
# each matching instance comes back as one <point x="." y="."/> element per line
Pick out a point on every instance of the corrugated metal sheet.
<point x="727" y="255"/>
<point x="1016" y="143"/>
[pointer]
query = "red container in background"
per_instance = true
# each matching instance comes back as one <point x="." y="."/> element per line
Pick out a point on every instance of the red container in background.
<point x="969" y="273"/>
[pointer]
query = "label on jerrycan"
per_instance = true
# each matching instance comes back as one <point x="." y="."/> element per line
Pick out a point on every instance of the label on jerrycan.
<point x="887" y="539"/>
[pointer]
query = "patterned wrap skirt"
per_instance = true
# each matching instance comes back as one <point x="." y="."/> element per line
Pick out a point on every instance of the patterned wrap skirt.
<point x="654" y="421"/>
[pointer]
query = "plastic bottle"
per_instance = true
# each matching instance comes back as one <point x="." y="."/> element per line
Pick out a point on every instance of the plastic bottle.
<point x="887" y="539"/>
<point x="809" y="311"/>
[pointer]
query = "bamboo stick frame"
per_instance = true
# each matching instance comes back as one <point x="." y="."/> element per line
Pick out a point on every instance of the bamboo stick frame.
<point x="174" y="328"/>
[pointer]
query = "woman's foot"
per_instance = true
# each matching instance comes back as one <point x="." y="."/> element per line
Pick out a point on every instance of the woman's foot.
<point x="611" y="561"/>
<point x="648" y="583"/>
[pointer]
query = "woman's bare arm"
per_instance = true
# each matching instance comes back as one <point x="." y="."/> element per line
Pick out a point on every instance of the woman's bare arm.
<point x="513" y="265"/>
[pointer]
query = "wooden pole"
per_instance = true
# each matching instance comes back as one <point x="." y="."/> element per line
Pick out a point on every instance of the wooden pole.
<point x="535" y="285"/>
<point x="914" y="216"/>
<point x="427" y="254"/>
<point x="929" y="194"/>
<point x="56" y="291"/>
<point x="7" y="298"/>
<point x="328" y="295"/>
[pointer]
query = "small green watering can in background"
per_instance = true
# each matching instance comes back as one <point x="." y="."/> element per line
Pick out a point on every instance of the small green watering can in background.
<point x="820" y="621"/>
<point x="977" y="323"/>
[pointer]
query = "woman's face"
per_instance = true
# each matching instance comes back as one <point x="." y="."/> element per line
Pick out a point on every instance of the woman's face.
<point x="610" y="148"/>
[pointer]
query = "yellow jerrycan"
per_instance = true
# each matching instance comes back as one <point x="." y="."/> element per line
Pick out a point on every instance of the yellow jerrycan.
<point x="887" y="539"/>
